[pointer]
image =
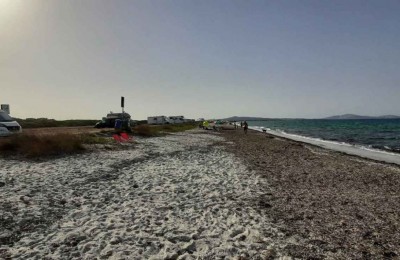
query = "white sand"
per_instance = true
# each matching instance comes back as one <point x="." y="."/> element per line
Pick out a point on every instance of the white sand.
<point x="164" y="198"/>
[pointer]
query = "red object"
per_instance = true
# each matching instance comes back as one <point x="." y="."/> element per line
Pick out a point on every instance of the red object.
<point x="117" y="138"/>
<point x="122" y="137"/>
<point x="125" y="137"/>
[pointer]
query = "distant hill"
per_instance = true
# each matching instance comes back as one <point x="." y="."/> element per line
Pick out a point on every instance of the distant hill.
<point x="352" y="116"/>
<point x="345" y="116"/>
<point x="245" y="118"/>
<point x="389" y="117"/>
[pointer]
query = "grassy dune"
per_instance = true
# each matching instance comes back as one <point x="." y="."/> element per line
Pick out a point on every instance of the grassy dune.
<point x="34" y="146"/>
<point x="160" y="130"/>
<point x="49" y="142"/>
<point x="46" y="122"/>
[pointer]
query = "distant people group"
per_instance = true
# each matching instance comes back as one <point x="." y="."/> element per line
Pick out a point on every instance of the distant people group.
<point x="245" y="127"/>
<point x="243" y="124"/>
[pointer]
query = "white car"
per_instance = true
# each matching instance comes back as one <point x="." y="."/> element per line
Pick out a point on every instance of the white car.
<point x="224" y="125"/>
<point x="8" y="125"/>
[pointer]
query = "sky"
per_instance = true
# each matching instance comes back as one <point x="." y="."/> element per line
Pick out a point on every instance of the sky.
<point x="199" y="58"/>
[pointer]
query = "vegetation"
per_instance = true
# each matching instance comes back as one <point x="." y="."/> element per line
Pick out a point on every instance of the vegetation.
<point x="160" y="130"/>
<point x="178" y="127"/>
<point x="139" y="122"/>
<point x="145" y="130"/>
<point x="41" y="145"/>
<point x="94" y="139"/>
<point x="45" y="122"/>
<point x="34" y="146"/>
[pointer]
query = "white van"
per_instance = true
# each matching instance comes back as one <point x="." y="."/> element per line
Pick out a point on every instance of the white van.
<point x="8" y="125"/>
<point x="176" y="119"/>
<point x="157" y="120"/>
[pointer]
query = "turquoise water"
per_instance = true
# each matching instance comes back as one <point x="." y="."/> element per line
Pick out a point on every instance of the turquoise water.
<point x="383" y="134"/>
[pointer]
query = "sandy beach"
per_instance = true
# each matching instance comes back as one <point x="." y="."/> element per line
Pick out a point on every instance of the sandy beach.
<point x="181" y="196"/>
<point x="200" y="195"/>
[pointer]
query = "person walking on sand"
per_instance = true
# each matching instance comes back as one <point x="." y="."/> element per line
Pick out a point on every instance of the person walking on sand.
<point x="245" y="127"/>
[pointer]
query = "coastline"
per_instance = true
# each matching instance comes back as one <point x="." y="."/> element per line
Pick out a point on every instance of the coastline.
<point x="361" y="151"/>
<point x="338" y="205"/>
<point x="201" y="194"/>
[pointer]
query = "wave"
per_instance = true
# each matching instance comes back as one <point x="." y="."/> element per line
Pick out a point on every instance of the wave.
<point x="391" y="156"/>
<point x="350" y="141"/>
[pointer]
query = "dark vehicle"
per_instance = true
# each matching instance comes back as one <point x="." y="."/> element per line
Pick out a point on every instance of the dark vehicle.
<point x="8" y="125"/>
<point x="109" y="121"/>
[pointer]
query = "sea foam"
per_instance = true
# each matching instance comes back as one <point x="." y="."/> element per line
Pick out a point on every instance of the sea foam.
<point x="358" y="150"/>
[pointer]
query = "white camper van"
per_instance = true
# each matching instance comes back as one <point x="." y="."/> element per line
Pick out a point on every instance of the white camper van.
<point x="176" y="119"/>
<point x="8" y="125"/>
<point x="157" y="120"/>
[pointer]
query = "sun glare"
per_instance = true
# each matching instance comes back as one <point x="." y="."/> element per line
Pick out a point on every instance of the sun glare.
<point x="9" y="7"/>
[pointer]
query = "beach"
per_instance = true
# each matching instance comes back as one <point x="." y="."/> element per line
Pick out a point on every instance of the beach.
<point x="182" y="196"/>
<point x="338" y="206"/>
<point x="200" y="195"/>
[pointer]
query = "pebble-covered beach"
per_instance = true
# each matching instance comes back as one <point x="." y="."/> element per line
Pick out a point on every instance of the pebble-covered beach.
<point x="200" y="195"/>
<point x="337" y="206"/>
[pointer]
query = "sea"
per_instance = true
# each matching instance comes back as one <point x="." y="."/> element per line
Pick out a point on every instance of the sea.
<point x="373" y="134"/>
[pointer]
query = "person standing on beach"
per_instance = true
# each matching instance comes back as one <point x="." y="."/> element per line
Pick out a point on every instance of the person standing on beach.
<point x="245" y="127"/>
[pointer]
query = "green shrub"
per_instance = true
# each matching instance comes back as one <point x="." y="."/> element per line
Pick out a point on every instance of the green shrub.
<point x="145" y="130"/>
<point x="178" y="127"/>
<point x="159" y="130"/>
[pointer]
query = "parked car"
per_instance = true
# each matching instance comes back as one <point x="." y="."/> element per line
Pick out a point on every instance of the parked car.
<point x="8" y="125"/>
<point x="109" y="121"/>
<point x="225" y="126"/>
<point x="218" y="125"/>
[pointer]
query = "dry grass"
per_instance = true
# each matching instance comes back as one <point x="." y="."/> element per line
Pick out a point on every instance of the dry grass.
<point x="46" y="122"/>
<point x="160" y="130"/>
<point x="146" y="131"/>
<point x="33" y="146"/>
<point x="177" y="127"/>
<point x="61" y="130"/>
<point x="36" y="143"/>
<point x="94" y="138"/>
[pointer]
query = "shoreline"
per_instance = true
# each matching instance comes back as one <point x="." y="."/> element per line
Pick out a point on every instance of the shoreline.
<point x="360" y="151"/>
<point x="201" y="194"/>
<point x="337" y="205"/>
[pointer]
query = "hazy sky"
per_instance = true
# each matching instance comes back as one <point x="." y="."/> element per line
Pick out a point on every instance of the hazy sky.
<point x="74" y="59"/>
